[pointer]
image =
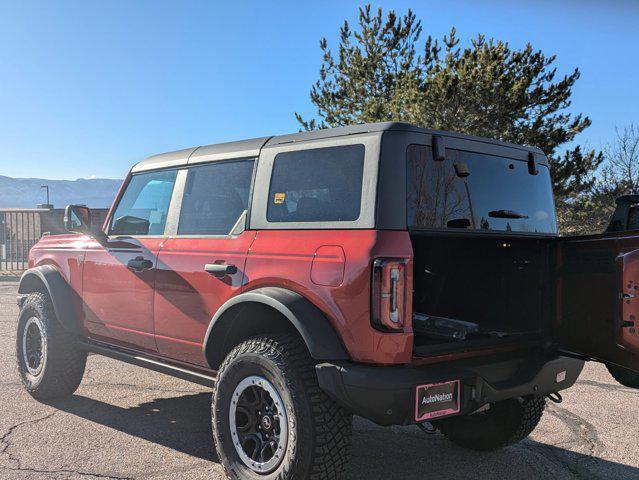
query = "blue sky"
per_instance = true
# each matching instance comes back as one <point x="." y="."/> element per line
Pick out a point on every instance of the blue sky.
<point x="87" y="88"/>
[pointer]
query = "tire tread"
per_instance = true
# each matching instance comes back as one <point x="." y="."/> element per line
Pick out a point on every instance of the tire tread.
<point x="332" y="425"/>
<point x="625" y="377"/>
<point x="65" y="361"/>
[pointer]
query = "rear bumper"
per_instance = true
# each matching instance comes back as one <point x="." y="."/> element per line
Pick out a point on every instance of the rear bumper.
<point x="387" y="394"/>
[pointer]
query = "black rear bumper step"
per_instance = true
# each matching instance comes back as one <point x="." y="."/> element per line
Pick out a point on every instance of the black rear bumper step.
<point x="387" y="395"/>
<point x="151" y="364"/>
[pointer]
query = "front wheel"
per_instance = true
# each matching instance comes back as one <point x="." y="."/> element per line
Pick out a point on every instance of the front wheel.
<point x="270" y="418"/>
<point x="503" y="423"/>
<point x="50" y="361"/>
<point x="626" y="377"/>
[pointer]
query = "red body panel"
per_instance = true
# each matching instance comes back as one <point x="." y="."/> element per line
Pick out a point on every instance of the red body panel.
<point x="284" y="258"/>
<point x="66" y="253"/>
<point x="187" y="297"/>
<point x="118" y="302"/>
<point x="629" y="331"/>
<point x="168" y="308"/>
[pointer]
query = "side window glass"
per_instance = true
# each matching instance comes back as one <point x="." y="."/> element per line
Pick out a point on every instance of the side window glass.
<point x="144" y="206"/>
<point x="436" y="195"/>
<point x="215" y="198"/>
<point x="317" y="185"/>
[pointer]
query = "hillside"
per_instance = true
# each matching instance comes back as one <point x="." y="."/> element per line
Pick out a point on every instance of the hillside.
<point x="26" y="192"/>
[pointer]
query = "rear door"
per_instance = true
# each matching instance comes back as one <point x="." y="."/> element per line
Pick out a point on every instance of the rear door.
<point x="598" y="297"/>
<point x="201" y="266"/>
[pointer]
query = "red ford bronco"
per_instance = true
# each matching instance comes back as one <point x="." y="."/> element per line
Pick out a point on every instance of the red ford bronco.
<point x="405" y="275"/>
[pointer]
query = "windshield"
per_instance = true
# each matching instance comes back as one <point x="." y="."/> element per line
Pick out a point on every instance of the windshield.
<point x="477" y="192"/>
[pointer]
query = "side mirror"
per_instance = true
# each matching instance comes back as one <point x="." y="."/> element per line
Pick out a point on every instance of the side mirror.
<point x="77" y="219"/>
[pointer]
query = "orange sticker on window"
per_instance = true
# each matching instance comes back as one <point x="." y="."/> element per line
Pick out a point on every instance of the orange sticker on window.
<point x="279" y="198"/>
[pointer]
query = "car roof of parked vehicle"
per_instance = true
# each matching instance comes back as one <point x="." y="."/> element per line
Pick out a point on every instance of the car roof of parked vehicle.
<point x="251" y="148"/>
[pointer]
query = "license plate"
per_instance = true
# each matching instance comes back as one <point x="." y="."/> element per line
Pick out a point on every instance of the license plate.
<point x="437" y="400"/>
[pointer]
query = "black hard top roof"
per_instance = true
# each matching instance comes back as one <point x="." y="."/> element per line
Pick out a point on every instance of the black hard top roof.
<point x="252" y="147"/>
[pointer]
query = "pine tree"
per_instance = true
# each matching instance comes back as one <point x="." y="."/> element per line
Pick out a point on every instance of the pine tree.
<point x="382" y="72"/>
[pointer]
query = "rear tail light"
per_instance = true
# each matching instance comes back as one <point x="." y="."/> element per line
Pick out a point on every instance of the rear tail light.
<point x="388" y="294"/>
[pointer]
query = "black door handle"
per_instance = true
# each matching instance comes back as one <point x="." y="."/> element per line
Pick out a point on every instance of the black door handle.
<point x="220" y="270"/>
<point x="138" y="264"/>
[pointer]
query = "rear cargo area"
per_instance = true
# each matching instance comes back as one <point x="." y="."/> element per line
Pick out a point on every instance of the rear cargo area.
<point x="474" y="290"/>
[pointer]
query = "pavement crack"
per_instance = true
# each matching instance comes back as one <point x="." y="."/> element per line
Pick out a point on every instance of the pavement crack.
<point x="5" y="444"/>
<point x="581" y="428"/>
<point x="584" y="433"/>
<point x="4" y="439"/>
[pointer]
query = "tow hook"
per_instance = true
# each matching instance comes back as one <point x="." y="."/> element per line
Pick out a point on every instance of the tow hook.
<point x="555" y="397"/>
<point x="427" y="427"/>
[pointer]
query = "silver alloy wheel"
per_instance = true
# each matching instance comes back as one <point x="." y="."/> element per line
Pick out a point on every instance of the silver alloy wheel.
<point x="259" y="424"/>
<point x="34" y="346"/>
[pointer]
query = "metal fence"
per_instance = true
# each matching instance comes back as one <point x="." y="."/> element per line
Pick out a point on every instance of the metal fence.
<point x="20" y="229"/>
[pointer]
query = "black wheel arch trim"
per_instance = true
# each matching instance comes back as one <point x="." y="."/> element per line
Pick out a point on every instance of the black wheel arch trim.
<point x="57" y="288"/>
<point x="310" y="322"/>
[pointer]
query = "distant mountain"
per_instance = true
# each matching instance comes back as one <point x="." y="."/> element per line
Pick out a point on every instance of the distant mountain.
<point x="26" y="192"/>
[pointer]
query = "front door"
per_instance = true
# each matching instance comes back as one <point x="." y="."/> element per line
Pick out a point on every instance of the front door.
<point x="598" y="297"/>
<point x="119" y="270"/>
<point x="202" y="266"/>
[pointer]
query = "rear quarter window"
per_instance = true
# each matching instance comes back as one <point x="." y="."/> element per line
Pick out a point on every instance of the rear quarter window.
<point x="317" y="185"/>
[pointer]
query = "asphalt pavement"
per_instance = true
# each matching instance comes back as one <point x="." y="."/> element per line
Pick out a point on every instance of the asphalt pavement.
<point x="127" y="422"/>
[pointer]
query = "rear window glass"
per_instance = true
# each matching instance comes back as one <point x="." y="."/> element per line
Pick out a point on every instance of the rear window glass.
<point x="317" y="185"/>
<point x="477" y="192"/>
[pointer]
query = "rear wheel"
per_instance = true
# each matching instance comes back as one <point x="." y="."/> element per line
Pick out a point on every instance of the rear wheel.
<point x="50" y="361"/>
<point x="503" y="423"/>
<point x="270" y="418"/>
<point x="626" y="377"/>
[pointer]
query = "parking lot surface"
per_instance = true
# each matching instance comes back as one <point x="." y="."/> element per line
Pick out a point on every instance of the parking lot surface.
<point x="127" y="422"/>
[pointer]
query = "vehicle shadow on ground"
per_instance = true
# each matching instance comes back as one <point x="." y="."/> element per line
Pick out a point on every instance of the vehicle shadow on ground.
<point x="183" y="424"/>
<point x="409" y="454"/>
<point x="180" y="423"/>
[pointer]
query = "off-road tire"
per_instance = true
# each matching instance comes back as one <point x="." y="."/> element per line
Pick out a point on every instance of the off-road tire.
<point x="319" y="439"/>
<point x="626" y="377"/>
<point x="505" y="423"/>
<point x="64" y="361"/>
